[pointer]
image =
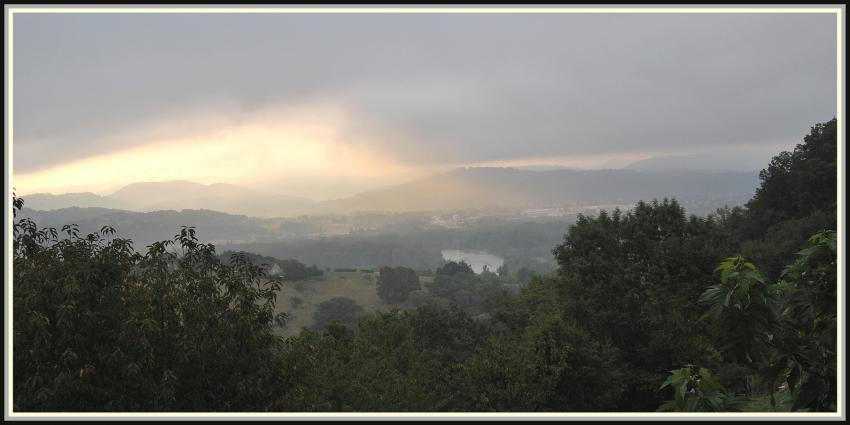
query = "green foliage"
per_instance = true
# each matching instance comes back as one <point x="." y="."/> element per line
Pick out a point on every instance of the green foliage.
<point x="539" y="359"/>
<point x="798" y="183"/>
<point x="556" y="366"/>
<point x="99" y="327"/>
<point x="459" y="286"/>
<point x="742" y="310"/>
<point x="452" y="268"/>
<point x="696" y="390"/>
<point x="337" y="309"/>
<point x="631" y="278"/>
<point x="809" y="283"/>
<point x="778" y="247"/>
<point x="290" y="270"/>
<point x="395" y="284"/>
<point x="437" y="359"/>
<point x="787" y="330"/>
<point x="806" y="350"/>
<point x="392" y="361"/>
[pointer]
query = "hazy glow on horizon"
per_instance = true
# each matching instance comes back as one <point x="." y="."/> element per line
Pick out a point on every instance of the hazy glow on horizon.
<point x="265" y="148"/>
<point x="272" y="145"/>
<point x="582" y="162"/>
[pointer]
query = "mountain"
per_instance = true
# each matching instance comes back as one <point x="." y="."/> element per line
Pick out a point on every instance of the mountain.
<point x="178" y="195"/>
<point x="49" y="201"/>
<point x="146" y="227"/>
<point x="698" y="162"/>
<point x="497" y="188"/>
<point x="482" y="188"/>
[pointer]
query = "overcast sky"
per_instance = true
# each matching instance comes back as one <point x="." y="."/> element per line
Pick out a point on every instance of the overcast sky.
<point x="106" y="98"/>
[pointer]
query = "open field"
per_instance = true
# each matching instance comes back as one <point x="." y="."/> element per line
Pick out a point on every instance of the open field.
<point x="359" y="286"/>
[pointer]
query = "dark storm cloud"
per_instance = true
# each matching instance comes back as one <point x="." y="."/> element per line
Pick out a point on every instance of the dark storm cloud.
<point x="448" y="88"/>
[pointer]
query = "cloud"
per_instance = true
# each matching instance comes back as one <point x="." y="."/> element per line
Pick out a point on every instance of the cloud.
<point x="416" y="90"/>
<point x="273" y="144"/>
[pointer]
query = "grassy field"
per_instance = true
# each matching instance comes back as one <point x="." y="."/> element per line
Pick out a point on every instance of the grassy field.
<point x="359" y="286"/>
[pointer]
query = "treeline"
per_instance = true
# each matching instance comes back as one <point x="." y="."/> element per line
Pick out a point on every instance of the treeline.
<point x="289" y="270"/>
<point x="454" y="284"/>
<point x="649" y="309"/>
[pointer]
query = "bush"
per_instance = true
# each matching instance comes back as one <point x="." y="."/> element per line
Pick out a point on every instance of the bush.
<point x="452" y="268"/>
<point x="337" y="309"/>
<point x="396" y="284"/>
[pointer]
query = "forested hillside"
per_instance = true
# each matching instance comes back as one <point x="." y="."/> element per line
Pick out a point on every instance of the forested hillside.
<point x="648" y="309"/>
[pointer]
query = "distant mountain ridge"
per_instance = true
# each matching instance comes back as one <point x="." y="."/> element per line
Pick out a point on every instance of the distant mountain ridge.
<point x="494" y="187"/>
<point x="228" y="198"/>
<point x="459" y="189"/>
<point x="696" y="162"/>
<point x="49" y="201"/>
<point x="177" y="195"/>
<point x="147" y="227"/>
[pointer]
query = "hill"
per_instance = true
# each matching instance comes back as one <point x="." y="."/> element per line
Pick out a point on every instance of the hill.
<point x="177" y="195"/>
<point x="701" y="162"/>
<point x="495" y="188"/>
<point x="479" y="188"/>
<point x="146" y="227"/>
<point x="49" y="201"/>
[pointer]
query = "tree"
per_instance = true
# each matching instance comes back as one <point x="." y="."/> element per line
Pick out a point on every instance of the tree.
<point x="337" y="309"/>
<point x="743" y="311"/>
<point x="467" y="291"/>
<point x="395" y="284"/>
<point x="798" y="183"/>
<point x="778" y="247"/>
<point x="539" y="359"/>
<point x="99" y="327"/>
<point x="785" y="330"/>
<point x="454" y="267"/>
<point x="632" y="278"/>
<point x="696" y="390"/>
<point x="398" y="360"/>
<point x="808" y="347"/>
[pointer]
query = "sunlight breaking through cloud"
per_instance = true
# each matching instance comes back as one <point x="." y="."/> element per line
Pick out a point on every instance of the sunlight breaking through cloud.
<point x="269" y="146"/>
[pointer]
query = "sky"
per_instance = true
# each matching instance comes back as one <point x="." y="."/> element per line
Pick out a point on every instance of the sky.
<point x="327" y="104"/>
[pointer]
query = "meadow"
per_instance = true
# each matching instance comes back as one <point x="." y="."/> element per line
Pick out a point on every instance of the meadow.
<point x="358" y="286"/>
